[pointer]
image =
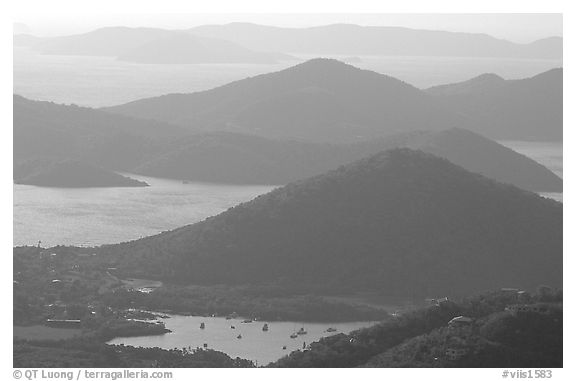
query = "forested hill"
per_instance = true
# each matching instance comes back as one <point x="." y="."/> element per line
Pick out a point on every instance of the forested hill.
<point x="321" y="100"/>
<point x="48" y="131"/>
<point x="495" y="337"/>
<point x="519" y="109"/>
<point x="70" y="174"/>
<point x="402" y="222"/>
<point x="325" y="100"/>
<point x="227" y="157"/>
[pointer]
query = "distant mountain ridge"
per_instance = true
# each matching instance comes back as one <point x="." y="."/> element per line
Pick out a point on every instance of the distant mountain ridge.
<point x="148" y="45"/>
<point x="532" y="106"/>
<point x="325" y="100"/>
<point x="349" y="39"/>
<point x="401" y="222"/>
<point x="44" y="130"/>
<point x="318" y="100"/>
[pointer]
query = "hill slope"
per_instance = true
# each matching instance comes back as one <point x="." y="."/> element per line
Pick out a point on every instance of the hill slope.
<point x="46" y="130"/>
<point x="49" y="130"/>
<point x="421" y="338"/>
<point x="325" y="100"/>
<point x="402" y="222"/>
<point x="246" y="159"/>
<point x="70" y="174"/>
<point x="529" y="108"/>
<point x="319" y="100"/>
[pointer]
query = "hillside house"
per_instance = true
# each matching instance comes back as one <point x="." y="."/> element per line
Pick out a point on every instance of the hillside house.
<point x="437" y="302"/>
<point x="528" y="308"/>
<point x="454" y="354"/>
<point x="63" y="323"/>
<point x="460" y="321"/>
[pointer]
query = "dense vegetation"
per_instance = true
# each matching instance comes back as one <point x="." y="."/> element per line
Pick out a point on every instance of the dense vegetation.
<point x="496" y="337"/>
<point x="421" y="338"/>
<point x="71" y="283"/>
<point x="261" y="303"/>
<point x="245" y="159"/>
<point x="86" y="353"/>
<point x="401" y="221"/>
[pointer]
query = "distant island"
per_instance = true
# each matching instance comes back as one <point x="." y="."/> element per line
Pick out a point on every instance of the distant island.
<point x="70" y="174"/>
<point x="149" y="45"/>
<point x="328" y="101"/>
<point x="524" y="109"/>
<point x="352" y="39"/>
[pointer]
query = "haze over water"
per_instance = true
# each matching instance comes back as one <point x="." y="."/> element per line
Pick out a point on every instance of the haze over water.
<point x="96" y="216"/>
<point x="105" y="81"/>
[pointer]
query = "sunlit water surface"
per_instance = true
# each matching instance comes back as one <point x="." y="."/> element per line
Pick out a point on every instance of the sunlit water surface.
<point x="95" y="216"/>
<point x="255" y="344"/>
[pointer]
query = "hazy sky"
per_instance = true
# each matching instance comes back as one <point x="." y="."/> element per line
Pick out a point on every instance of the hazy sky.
<point x="514" y="26"/>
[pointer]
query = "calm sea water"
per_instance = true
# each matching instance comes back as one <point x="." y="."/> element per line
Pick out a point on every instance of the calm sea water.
<point x="549" y="154"/>
<point x="255" y="344"/>
<point x="105" y="81"/>
<point x="95" y="216"/>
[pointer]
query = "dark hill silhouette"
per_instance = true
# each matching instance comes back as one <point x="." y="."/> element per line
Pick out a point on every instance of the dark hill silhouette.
<point x="402" y="222"/>
<point x="325" y="100"/>
<point x="45" y="129"/>
<point x="318" y="100"/>
<point x="245" y="159"/>
<point x="70" y="174"/>
<point x="148" y="45"/>
<point x="349" y="39"/>
<point x="529" y="108"/>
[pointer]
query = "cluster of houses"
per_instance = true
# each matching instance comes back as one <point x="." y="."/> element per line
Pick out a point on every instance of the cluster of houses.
<point x="437" y="301"/>
<point x="454" y="354"/>
<point x="529" y="308"/>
